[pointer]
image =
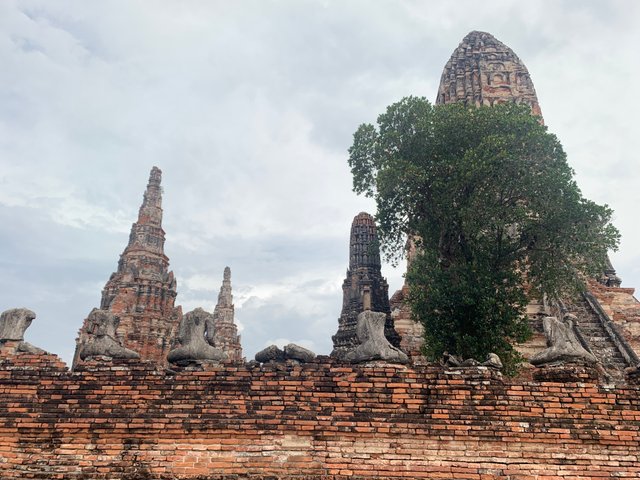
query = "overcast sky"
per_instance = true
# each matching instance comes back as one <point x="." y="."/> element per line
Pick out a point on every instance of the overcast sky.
<point x="249" y="107"/>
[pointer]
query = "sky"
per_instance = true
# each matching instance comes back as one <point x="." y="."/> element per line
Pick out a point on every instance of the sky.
<point x="249" y="107"/>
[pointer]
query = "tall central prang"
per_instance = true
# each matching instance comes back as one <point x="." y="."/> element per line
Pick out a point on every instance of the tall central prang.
<point x="483" y="71"/>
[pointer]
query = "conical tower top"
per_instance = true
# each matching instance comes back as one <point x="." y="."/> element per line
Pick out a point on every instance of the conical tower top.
<point x="225" y="298"/>
<point x="484" y="71"/>
<point x="151" y="209"/>
<point x="146" y="233"/>
<point x="364" y="250"/>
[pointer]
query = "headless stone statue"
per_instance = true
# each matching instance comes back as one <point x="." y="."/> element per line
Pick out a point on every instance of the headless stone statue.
<point x="191" y="337"/>
<point x="291" y="352"/>
<point x="563" y="344"/>
<point x="102" y="341"/>
<point x="13" y="324"/>
<point x="492" y="361"/>
<point x="298" y="353"/>
<point x="373" y="343"/>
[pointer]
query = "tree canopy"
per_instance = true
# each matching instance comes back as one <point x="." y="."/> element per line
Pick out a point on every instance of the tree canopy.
<point x="487" y="195"/>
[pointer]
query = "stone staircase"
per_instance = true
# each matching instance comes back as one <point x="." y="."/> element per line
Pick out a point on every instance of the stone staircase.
<point x="597" y="337"/>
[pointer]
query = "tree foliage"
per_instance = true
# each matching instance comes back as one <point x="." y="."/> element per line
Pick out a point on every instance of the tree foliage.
<point x="490" y="199"/>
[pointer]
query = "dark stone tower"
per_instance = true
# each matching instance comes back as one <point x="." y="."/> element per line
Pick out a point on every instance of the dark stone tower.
<point x="364" y="281"/>
<point x="142" y="292"/>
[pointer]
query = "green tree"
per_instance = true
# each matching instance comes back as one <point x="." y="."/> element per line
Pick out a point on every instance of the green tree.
<point x="488" y="196"/>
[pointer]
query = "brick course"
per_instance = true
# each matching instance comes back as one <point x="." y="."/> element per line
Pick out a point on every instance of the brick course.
<point x="322" y="420"/>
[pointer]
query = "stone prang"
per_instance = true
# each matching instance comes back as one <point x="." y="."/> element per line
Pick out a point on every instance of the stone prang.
<point x="224" y="334"/>
<point x="364" y="280"/>
<point x="101" y="340"/>
<point x="192" y="339"/>
<point x="13" y="324"/>
<point x="564" y="346"/>
<point x="484" y="71"/>
<point x="142" y="292"/>
<point x="373" y="343"/>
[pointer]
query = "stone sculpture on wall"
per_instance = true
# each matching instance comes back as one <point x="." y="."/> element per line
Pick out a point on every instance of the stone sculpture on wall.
<point x="291" y="352"/>
<point x="13" y="324"/>
<point x="192" y="338"/>
<point x="492" y="361"/>
<point x="564" y="346"/>
<point x="101" y="340"/>
<point x="373" y="343"/>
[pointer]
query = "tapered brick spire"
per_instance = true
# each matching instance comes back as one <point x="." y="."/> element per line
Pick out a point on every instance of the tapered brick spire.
<point x="225" y="333"/>
<point x="364" y="286"/>
<point x="142" y="291"/>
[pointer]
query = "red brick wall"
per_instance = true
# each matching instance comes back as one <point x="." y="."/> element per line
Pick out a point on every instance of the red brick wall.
<point x="321" y="420"/>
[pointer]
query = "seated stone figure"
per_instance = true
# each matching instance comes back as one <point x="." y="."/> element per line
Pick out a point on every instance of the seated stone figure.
<point x="373" y="344"/>
<point x="13" y="324"/>
<point x="564" y="346"/>
<point x="191" y="337"/>
<point x="102" y="340"/>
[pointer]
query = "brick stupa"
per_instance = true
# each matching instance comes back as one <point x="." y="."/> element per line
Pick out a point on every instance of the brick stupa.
<point x="363" y="275"/>
<point x="225" y="334"/>
<point x="142" y="292"/>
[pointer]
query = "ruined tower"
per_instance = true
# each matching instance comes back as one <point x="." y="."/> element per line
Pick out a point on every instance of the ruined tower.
<point x="484" y="71"/>
<point x="225" y="331"/>
<point x="142" y="292"/>
<point x="364" y="282"/>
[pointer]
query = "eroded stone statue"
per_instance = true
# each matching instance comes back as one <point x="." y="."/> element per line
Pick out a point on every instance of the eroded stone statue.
<point x="270" y="354"/>
<point x="102" y="340"/>
<point x="192" y="339"/>
<point x="298" y="353"/>
<point x="291" y="352"/>
<point x="563" y="344"/>
<point x="492" y="361"/>
<point x="373" y="343"/>
<point x="13" y="324"/>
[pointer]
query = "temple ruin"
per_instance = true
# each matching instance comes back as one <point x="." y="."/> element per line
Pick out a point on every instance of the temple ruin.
<point x="154" y="394"/>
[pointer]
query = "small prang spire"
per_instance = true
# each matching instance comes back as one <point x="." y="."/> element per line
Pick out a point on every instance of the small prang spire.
<point x="147" y="233"/>
<point x="151" y="208"/>
<point x="364" y="287"/>
<point x="225" y="298"/>
<point x="225" y="332"/>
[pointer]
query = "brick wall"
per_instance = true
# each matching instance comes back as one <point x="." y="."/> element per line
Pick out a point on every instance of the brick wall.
<point x="131" y="420"/>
